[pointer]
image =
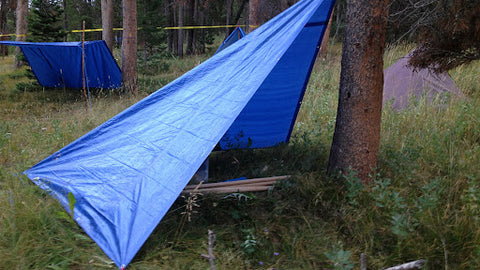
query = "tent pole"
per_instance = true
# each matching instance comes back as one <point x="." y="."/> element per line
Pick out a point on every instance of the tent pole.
<point x="83" y="65"/>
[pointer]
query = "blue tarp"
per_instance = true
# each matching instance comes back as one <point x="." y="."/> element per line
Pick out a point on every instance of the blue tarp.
<point x="126" y="173"/>
<point x="59" y="64"/>
<point x="236" y="34"/>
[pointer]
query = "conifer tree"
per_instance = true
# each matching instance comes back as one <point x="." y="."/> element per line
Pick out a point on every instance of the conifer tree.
<point x="45" y="21"/>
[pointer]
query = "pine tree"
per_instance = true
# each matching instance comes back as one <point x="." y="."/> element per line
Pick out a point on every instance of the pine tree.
<point x="356" y="139"/>
<point x="449" y="38"/>
<point x="45" y="21"/>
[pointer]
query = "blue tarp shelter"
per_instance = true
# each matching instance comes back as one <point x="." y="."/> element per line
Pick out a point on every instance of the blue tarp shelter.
<point x="236" y="34"/>
<point x="126" y="173"/>
<point x="59" y="64"/>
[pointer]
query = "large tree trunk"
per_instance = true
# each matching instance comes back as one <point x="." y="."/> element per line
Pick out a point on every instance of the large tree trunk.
<point x="253" y="15"/>
<point x="129" y="47"/>
<point x="21" y="31"/>
<point x="357" y="130"/>
<point x="107" y="23"/>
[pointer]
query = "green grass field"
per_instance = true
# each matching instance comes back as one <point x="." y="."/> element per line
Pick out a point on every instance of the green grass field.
<point x="424" y="203"/>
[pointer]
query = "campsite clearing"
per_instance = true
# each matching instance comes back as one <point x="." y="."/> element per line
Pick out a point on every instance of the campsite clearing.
<point x="424" y="201"/>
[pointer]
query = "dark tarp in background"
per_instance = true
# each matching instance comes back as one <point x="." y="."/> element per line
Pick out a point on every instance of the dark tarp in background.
<point x="232" y="38"/>
<point x="59" y="64"/>
<point x="402" y="84"/>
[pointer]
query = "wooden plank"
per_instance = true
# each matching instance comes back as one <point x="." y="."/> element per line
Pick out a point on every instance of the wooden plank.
<point x="266" y="183"/>
<point x="230" y="189"/>
<point x="240" y="182"/>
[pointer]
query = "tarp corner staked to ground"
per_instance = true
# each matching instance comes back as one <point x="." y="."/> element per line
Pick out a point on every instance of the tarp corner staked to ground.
<point x="248" y="94"/>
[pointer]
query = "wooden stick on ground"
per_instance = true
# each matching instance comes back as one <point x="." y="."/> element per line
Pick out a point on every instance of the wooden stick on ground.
<point x="266" y="180"/>
<point x="232" y="189"/>
<point x="408" y="266"/>
<point x="363" y="261"/>
<point x="210" y="257"/>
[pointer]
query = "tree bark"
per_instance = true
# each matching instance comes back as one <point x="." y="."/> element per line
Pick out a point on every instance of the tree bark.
<point x="228" y="15"/>
<point x="253" y="15"/>
<point x="4" y="8"/>
<point x="195" y="31"/>
<point x="129" y="47"/>
<point x="202" y="10"/>
<point x="338" y="19"/>
<point x="190" y="9"/>
<point x="322" y="52"/>
<point x="65" y="21"/>
<point x="357" y="129"/>
<point x="21" y="28"/>
<point x="169" y="19"/>
<point x="107" y="23"/>
<point x="181" y="9"/>
<point x="239" y="12"/>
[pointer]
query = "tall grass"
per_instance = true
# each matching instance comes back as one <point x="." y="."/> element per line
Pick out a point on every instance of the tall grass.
<point x="424" y="202"/>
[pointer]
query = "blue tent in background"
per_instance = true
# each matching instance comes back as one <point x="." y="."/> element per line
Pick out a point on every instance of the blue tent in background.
<point x="59" y="64"/>
<point x="126" y="173"/>
<point x="236" y="34"/>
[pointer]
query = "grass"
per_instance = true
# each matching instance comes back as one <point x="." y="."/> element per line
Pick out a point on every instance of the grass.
<point x="425" y="202"/>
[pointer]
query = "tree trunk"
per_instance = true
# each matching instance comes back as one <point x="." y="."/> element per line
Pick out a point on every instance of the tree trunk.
<point x="181" y="9"/>
<point x="4" y="8"/>
<point x="65" y="21"/>
<point x="338" y="19"/>
<point x="170" y="22"/>
<point x="238" y="15"/>
<point x="142" y="40"/>
<point x="323" y="47"/>
<point x="129" y="47"/>
<point x="200" y="46"/>
<point x="174" y="32"/>
<point x="228" y="15"/>
<point x="21" y="31"/>
<point x="195" y="31"/>
<point x="107" y="23"/>
<point x="253" y="15"/>
<point x="357" y="130"/>
<point x="190" y="8"/>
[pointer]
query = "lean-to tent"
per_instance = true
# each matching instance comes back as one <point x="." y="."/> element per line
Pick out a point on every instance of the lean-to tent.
<point x="402" y="83"/>
<point x="126" y="173"/>
<point x="59" y="64"/>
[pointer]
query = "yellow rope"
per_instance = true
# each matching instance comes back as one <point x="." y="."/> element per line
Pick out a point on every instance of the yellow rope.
<point x="165" y="28"/>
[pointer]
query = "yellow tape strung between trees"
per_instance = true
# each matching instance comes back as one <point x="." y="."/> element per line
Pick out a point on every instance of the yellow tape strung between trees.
<point x="164" y="28"/>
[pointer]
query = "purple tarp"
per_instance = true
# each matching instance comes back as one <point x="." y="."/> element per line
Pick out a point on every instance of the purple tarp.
<point x="402" y="83"/>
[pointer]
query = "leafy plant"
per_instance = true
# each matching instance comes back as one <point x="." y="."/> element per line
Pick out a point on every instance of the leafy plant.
<point x="339" y="258"/>
<point x="250" y="242"/>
